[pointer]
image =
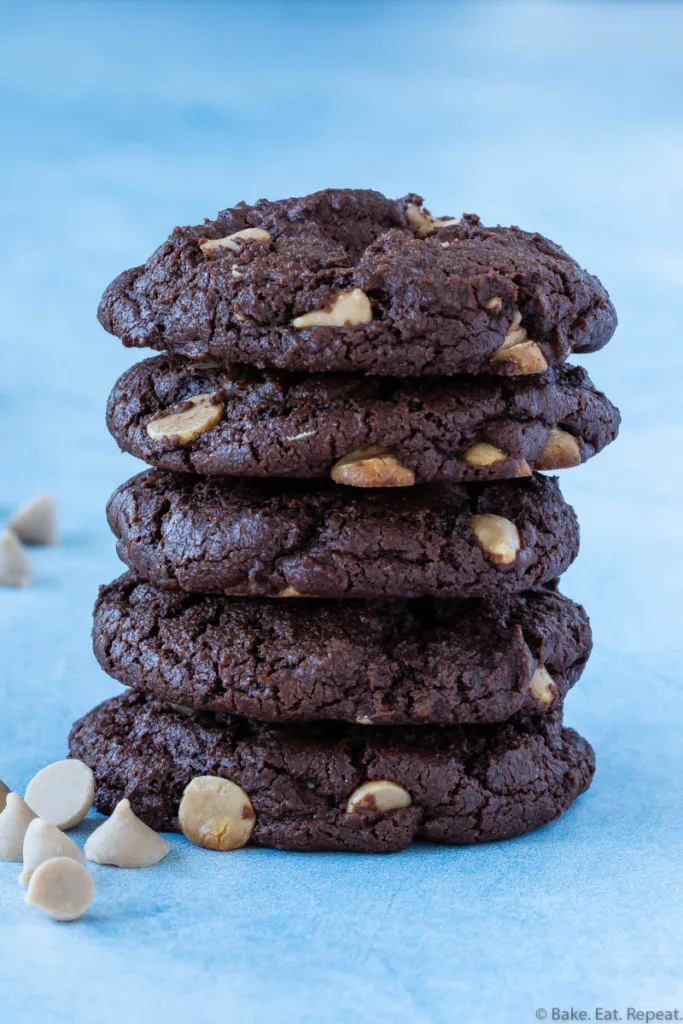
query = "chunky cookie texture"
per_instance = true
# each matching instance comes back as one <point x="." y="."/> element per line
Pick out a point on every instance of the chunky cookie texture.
<point x="308" y="785"/>
<point x="349" y="280"/>
<point x="298" y="539"/>
<point x="372" y="662"/>
<point x="236" y="421"/>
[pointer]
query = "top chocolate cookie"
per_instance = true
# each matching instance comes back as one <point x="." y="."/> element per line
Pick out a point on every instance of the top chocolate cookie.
<point x="347" y="279"/>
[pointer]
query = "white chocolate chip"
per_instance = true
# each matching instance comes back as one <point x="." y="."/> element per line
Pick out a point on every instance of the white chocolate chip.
<point x="15" y="568"/>
<point x="235" y="240"/>
<point x="43" y="842"/>
<point x="62" y="888"/>
<point x="419" y="220"/>
<point x="562" y="451"/>
<point x="4" y="790"/>
<point x="542" y="685"/>
<point x="216" y="813"/>
<point x="364" y="720"/>
<point x="62" y="792"/>
<point x="14" y="820"/>
<point x="291" y="592"/>
<point x="495" y="304"/>
<point x="125" y="841"/>
<point x="498" y="537"/>
<point x="371" y="467"/>
<point x="481" y="455"/>
<point x="380" y="795"/>
<point x="35" y="522"/>
<point x="200" y="414"/>
<point x="446" y="222"/>
<point x="347" y="310"/>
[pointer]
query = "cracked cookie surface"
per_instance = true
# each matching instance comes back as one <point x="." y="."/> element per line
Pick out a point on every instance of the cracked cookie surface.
<point x="378" y="662"/>
<point x="259" y="285"/>
<point x="466" y="784"/>
<point x="267" y="423"/>
<point x="266" y="538"/>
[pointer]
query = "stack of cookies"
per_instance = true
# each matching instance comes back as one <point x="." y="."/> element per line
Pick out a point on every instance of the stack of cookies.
<point x="340" y="623"/>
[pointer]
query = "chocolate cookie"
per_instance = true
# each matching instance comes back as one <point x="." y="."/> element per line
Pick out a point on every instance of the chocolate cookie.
<point x="245" y="422"/>
<point x="461" y="784"/>
<point x="263" y="538"/>
<point x="374" y="662"/>
<point x="347" y="279"/>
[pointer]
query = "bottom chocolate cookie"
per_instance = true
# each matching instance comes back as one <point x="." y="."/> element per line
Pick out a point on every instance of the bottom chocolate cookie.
<point x="462" y="784"/>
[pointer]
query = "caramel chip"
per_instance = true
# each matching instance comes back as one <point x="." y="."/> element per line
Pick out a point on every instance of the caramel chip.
<point x="15" y="568"/>
<point x="35" y="522"/>
<point x="42" y="842"/>
<point x="62" y="793"/>
<point x="347" y="310"/>
<point x="62" y="888"/>
<point x="498" y="537"/>
<point x="14" y="820"/>
<point x="371" y="467"/>
<point x="125" y="841"/>
<point x="379" y="795"/>
<point x="216" y="813"/>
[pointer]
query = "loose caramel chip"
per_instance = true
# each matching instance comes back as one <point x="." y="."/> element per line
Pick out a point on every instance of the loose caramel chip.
<point x="200" y="414"/>
<point x="542" y="685"/>
<point x="125" y="841"/>
<point x="15" y="568"/>
<point x="62" y="888"/>
<point x="371" y="467"/>
<point x="35" y="522"/>
<point x="216" y="813"/>
<point x="481" y="455"/>
<point x="43" y="842"/>
<point x="380" y="795"/>
<point x="498" y="537"/>
<point x="562" y="451"/>
<point x="14" y="820"/>
<point x="62" y="793"/>
<point x="348" y="310"/>
<point x="235" y="240"/>
<point x="291" y="592"/>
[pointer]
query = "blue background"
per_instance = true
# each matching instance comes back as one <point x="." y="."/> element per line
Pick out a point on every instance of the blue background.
<point x="120" y="120"/>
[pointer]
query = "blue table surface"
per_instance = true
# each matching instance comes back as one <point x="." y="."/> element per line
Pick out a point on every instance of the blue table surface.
<point x="120" y="120"/>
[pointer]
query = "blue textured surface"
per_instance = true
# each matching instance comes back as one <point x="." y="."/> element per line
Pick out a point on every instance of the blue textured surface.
<point x="120" y="120"/>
